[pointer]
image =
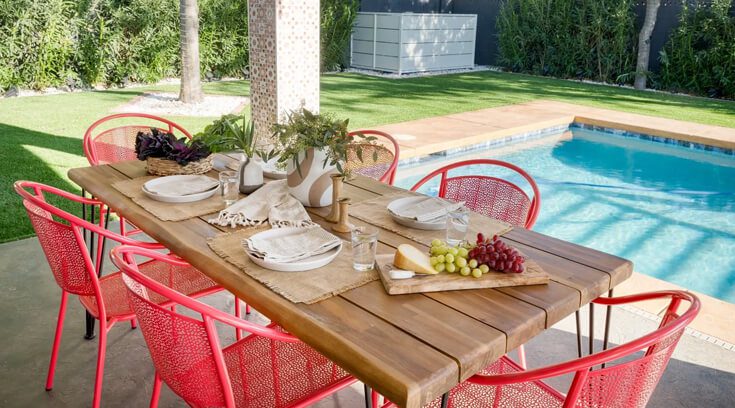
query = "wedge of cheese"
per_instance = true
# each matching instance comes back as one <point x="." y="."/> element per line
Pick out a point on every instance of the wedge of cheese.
<point x="411" y="258"/>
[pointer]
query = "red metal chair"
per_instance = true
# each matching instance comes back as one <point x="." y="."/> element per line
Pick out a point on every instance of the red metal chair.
<point x="72" y="266"/>
<point x="268" y="368"/>
<point x="626" y="377"/>
<point x="490" y="196"/>
<point x="384" y="168"/>
<point x="115" y="144"/>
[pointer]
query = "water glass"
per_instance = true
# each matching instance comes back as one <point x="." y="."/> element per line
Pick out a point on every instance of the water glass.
<point x="364" y="247"/>
<point x="458" y="222"/>
<point x="228" y="187"/>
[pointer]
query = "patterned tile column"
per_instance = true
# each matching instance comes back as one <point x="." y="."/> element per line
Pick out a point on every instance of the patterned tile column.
<point x="284" y="60"/>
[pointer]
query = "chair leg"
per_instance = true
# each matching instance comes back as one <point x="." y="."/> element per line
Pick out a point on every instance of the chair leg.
<point x="247" y="309"/>
<point x="238" y="335"/>
<point x="100" y="365"/>
<point x="57" y="341"/>
<point x="134" y="324"/>
<point x="521" y="356"/>
<point x="156" y="391"/>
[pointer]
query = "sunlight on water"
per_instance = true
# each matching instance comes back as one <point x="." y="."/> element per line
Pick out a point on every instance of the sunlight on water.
<point x="669" y="209"/>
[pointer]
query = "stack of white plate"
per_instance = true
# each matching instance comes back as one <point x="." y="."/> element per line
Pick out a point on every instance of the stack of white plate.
<point x="395" y="207"/>
<point x="305" y="264"/>
<point x="181" y="189"/>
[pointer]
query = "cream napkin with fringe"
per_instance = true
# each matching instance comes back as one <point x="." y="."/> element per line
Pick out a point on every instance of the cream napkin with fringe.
<point x="271" y="203"/>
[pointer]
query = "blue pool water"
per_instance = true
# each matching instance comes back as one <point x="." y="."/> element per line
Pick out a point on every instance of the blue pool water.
<point x="669" y="209"/>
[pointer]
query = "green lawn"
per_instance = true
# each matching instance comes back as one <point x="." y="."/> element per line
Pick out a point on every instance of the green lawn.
<point x="41" y="136"/>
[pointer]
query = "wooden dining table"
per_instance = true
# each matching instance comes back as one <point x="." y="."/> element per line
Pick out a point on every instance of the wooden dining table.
<point x="410" y="348"/>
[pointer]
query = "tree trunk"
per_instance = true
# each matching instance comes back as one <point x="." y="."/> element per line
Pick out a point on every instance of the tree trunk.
<point x="644" y="43"/>
<point x="191" y="86"/>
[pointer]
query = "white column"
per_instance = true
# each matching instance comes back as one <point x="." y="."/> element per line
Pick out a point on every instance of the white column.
<point x="284" y="59"/>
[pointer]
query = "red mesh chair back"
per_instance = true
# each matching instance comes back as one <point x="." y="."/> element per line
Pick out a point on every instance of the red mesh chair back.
<point x="490" y="196"/>
<point x="379" y="161"/>
<point x="62" y="241"/>
<point x="181" y="348"/>
<point x="185" y="350"/>
<point x="115" y="144"/>
<point x="632" y="370"/>
<point x="65" y="251"/>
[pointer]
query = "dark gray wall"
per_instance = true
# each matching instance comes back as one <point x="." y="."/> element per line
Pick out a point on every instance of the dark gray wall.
<point x="486" y="51"/>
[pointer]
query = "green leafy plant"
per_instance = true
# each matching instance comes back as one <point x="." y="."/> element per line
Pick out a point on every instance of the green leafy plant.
<point x="594" y="39"/>
<point x="228" y="133"/>
<point x="337" y="19"/>
<point x="305" y="130"/>
<point x="700" y="54"/>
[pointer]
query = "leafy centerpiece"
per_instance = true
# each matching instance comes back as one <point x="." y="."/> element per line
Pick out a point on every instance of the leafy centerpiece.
<point x="313" y="147"/>
<point x="236" y="133"/>
<point x="166" y="155"/>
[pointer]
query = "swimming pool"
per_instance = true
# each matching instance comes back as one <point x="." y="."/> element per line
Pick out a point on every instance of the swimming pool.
<point x="669" y="209"/>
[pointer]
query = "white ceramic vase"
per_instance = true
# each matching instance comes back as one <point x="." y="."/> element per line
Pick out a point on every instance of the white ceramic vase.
<point x="312" y="186"/>
<point x="250" y="176"/>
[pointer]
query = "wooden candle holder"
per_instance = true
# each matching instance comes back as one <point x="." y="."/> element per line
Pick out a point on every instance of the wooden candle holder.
<point x="343" y="225"/>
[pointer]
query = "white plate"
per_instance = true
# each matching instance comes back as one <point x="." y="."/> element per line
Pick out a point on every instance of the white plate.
<point x="177" y="199"/>
<point x="396" y="205"/>
<point x="306" y="264"/>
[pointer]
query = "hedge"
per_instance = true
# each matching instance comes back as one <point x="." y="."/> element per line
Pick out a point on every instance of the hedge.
<point x="593" y="39"/>
<point x="63" y="42"/>
<point x="700" y="54"/>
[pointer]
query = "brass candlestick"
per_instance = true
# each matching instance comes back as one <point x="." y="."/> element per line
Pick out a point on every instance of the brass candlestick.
<point x="343" y="225"/>
<point x="337" y="180"/>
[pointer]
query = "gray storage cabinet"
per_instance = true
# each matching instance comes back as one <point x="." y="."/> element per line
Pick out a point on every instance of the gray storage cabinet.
<point x="409" y="42"/>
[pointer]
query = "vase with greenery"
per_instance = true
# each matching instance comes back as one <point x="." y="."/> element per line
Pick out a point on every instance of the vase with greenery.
<point x="236" y="133"/>
<point x="312" y="147"/>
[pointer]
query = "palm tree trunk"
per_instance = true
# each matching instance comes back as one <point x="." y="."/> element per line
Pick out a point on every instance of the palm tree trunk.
<point x="191" y="86"/>
<point x="644" y="43"/>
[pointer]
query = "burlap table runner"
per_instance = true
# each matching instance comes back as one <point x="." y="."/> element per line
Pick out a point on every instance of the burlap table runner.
<point x="298" y="287"/>
<point x="167" y="211"/>
<point x="375" y="212"/>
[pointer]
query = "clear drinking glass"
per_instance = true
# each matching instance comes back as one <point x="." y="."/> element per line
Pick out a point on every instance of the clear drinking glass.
<point x="228" y="187"/>
<point x="364" y="247"/>
<point x="458" y="222"/>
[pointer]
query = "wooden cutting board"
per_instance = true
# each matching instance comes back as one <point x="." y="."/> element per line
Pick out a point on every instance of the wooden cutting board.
<point x="533" y="275"/>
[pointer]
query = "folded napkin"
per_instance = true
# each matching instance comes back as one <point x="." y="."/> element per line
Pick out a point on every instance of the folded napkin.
<point x="293" y="247"/>
<point x="272" y="202"/>
<point x="429" y="209"/>
<point x="193" y="185"/>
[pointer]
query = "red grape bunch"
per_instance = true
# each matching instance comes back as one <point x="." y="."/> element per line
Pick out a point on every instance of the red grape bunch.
<point x="497" y="255"/>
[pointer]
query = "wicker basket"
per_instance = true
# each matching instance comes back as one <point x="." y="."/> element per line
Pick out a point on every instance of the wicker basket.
<point x="165" y="167"/>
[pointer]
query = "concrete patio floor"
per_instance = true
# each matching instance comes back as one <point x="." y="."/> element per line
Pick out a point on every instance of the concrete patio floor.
<point x="700" y="374"/>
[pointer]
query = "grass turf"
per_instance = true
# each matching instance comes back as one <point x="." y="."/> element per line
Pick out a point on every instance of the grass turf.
<point x="41" y="136"/>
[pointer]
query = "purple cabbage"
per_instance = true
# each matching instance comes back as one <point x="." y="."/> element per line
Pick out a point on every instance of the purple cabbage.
<point x="160" y="144"/>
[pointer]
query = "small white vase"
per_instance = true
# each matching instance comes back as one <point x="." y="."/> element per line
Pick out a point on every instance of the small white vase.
<point x="312" y="186"/>
<point x="250" y="176"/>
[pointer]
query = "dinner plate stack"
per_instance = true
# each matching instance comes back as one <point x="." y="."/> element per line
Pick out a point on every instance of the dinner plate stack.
<point x="422" y="212"/>
<point x="181" y="189"/>
<point x="293" y="249"/>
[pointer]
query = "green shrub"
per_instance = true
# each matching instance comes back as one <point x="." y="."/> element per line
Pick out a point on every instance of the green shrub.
<point x="49" y="42"/>
<point x="592" y="39"/>
<point x="700" y="54"/>
<point x="337" y="19"/>
<point x="37" y="42"/>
